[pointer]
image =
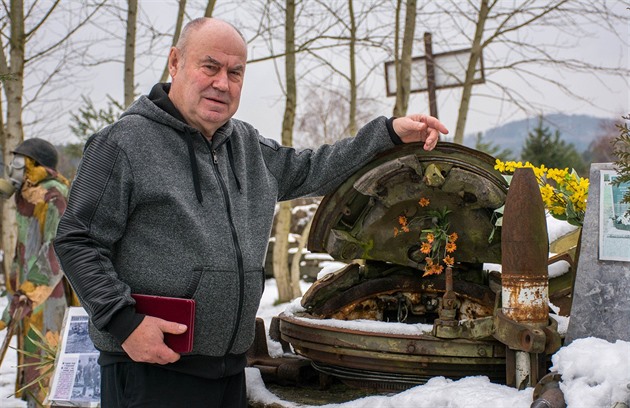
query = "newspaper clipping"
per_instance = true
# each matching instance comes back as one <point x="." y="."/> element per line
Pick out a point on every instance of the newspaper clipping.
<point x="76" y="379"/>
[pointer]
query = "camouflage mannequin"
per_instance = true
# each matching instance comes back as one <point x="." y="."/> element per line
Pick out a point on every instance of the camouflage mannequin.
<point x="35" y="280"/>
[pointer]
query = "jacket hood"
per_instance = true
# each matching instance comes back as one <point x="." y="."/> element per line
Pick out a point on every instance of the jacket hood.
<point x="158" y="107"/>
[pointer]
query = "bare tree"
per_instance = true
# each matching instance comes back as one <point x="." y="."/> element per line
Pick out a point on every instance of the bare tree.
<point x="505" y="31"/>
<point x="323" y="113"/>
<point x="286" y="290"/>
<point x="210" y="8"/>
<point x="355" y="32"/>
<point x="181" y="12"/>
<point x="36" y="49"/>
<point x="178" y="28"/>
<point x="324" y="29"/>
<point x="402" y="62"/>
<point x="602" y="148"/>
<point x="334" y="43"/>
<point x="130" y="52"/>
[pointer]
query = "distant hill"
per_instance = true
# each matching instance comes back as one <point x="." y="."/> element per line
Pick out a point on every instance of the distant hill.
<point x="579" y="130"/>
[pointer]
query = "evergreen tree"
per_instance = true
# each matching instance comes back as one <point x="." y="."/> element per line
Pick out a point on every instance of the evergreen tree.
<point x="622" y="151"/>
<point x="90" y="120"/>
<point x="85" y="123"/>
<point x="543" y="147"/>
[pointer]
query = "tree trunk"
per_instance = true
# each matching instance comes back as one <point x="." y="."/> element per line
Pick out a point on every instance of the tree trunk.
<point x="130" y="51"/>
<point x="352" y="120"/>
<point x="178" y="28"/>
<point x="297" y="258"/>
<point x="210" y="8"/>
<point x="13" y="134"/>
<point x="12" y="73"/>
<point x="397" y="49"/>
<point x="475" y="54"/>
<point x="283" y="223"/>
<point x="403" y="81"/>
<point x="281" y="253"/>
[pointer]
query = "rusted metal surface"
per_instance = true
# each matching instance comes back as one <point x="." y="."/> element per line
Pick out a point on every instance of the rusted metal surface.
<point x="524" y="280"/>
<point x="447" y="325"/>
<point x="395" y="382"/>
<point x="518" y="336"/>
<point x="525" y="252"/>
<point x="483" y="322"/>
<point x="547" y="393"/>
<point x="357" y="220"/>
<point x="525" y="298"/>
<point x="373" y="290"/>
<point x="415" y="355"/>
<point x="282" y="370"/>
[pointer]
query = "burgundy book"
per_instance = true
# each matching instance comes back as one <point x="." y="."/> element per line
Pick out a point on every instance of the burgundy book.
<point x="172" y="309"/>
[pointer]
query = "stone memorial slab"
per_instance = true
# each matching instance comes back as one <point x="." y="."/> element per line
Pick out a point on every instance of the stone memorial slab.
<point x="601" y="295"/>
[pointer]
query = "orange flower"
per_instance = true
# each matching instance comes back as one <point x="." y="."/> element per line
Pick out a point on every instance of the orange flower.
<point x="402" y="220"/>
<point x="432" y="270"/>
<point x="429" y="261"/>
<point x="450" y="247"/>
<point x="430" y="238"/>
<point x="405" y="228"/>
<point x="424" y="202"/>
<point x="453" y="237"/>
<point x="449" y="260"/>
<point x="395" y="232"/>
<point x="426" y="248"/>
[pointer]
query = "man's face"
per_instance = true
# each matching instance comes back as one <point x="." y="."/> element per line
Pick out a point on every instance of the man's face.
<point x="208" y="76"/>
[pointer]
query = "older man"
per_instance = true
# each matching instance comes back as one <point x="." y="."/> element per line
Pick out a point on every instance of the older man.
<point x="177" y="199"/>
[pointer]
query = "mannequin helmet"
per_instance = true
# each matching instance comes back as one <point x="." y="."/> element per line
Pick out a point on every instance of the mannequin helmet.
<point x="39" y="150"/>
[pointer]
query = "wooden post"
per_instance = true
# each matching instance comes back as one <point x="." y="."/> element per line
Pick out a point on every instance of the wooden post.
<point x="428" y="51"/>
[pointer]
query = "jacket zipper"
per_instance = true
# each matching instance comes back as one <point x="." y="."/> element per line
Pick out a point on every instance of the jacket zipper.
<point x="237" y="249"/>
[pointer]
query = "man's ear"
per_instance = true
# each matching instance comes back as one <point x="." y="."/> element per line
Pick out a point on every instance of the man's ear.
<point x="173" y="61"/>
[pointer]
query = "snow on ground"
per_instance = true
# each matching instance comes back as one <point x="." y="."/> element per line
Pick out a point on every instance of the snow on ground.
<point x="595" y="372"/>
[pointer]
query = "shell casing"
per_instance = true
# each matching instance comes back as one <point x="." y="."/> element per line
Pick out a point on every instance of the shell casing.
<point x="525" y="252"/>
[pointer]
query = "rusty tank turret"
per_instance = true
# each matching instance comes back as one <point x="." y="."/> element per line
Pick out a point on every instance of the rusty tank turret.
<point x="468" y="322"/>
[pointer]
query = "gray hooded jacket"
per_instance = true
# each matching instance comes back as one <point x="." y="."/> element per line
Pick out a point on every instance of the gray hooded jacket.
<point x="157" y="209"/>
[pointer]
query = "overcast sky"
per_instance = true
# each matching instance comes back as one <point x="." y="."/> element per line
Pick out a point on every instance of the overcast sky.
<point x="262" y="103"/>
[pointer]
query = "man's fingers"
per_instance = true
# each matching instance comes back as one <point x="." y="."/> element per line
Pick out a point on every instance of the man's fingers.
<point x="434" y="123"/>
<point x="146" y="343"/>
<point x="172" y="327"/>
<point x="158" y="353"/>
<point x="421" y="127"/>
<point x="167" y="356"/>
<point x="432" y="139"/>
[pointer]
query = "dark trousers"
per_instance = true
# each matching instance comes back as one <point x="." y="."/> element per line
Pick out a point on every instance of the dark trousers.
<point x="126" y="385"/>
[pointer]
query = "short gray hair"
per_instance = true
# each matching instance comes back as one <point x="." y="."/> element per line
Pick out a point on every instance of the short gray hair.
<point x="196" y="24"/>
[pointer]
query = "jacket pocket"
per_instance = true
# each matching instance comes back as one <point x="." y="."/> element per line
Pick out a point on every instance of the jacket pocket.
<point x="254" y="285"/>
<point x="216" y="302"/>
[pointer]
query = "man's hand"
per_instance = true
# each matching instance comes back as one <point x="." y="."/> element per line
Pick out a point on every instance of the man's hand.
<point x="146" y="343"/>
<point x="419" y="128"/>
